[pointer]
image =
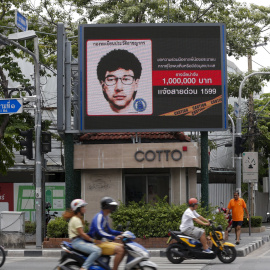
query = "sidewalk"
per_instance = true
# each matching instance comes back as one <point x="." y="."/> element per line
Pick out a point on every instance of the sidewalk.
<point x="248" y="244"/>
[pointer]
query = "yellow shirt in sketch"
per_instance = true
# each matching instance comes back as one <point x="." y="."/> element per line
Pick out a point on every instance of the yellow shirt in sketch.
<point x="73" y="225"/>
<point x="237" y="207"/>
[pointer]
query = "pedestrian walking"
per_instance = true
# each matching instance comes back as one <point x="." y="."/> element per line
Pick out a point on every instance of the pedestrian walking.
<point x="237" y="205"/>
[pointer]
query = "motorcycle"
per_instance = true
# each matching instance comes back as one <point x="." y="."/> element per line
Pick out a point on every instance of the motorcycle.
<point x="48" y="215"/>
<point x="229" y="217"/>
<point x="187" y="247"/>
<point x="137" y="257"/>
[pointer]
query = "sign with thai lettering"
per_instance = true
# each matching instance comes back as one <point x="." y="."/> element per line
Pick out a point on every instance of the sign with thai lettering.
<point x="11" y="105"/>
<point x="21" y="21"/>
<point x="142" y="77"/>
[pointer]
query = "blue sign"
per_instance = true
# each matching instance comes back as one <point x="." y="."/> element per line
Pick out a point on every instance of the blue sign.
<point x="21" y="21"/>
<point x="8" y="106"/>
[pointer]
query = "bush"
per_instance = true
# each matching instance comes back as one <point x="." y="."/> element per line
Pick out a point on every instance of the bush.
<point x="30" y="227"/>
<point x="256" y="221"/>
<point x="156" y="220"/>
<point x="57" y="228"/>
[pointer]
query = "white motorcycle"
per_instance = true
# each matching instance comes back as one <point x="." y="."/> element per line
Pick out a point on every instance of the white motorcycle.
<point x="137" y="257"/>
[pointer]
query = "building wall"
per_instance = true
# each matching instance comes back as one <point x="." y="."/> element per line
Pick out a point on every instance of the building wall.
<point x="97" y="184"/>
<point x="192" y="176"/>
<point x="140" y="155"/>
<point x="104" y="166"/>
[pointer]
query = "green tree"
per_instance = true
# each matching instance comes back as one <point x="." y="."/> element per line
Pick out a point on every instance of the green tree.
<point x="10" y="125"/>
<point x="262" y="132"/>
<point x="43" y="19"/>
<point x="246" y="26"/>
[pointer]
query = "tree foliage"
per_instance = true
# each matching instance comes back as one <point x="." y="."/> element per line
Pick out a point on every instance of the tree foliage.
<point x="246" y="28"/>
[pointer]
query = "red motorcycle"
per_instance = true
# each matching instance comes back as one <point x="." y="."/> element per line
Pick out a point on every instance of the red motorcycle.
<point x="222" y="209"/>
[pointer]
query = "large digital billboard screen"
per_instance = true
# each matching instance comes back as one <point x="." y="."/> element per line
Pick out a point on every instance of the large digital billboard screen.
<point x="152" y="77"/>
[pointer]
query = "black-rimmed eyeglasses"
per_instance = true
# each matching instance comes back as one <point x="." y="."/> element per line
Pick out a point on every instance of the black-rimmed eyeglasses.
<point x="112" y="80"/>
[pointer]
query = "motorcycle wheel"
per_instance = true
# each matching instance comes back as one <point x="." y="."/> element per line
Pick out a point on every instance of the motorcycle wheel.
<point x="72" y="265"/>
<point x="227" y="255"/>
<point x="2" y="256"/>
<point x="173" y="258"/>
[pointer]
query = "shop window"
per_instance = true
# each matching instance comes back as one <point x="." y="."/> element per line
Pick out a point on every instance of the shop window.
<point x="146" y="187"/>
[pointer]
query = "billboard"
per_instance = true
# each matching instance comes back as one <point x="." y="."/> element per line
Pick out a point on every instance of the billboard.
<point x="152" y="77"/>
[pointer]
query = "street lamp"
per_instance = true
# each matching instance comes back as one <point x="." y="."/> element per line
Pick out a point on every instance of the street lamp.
<point x="38" y="157"/>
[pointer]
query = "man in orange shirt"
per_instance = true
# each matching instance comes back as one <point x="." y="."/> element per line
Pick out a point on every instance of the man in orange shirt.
<point x="237" y="205"/>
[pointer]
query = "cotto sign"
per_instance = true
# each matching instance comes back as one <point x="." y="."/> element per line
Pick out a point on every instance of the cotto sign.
<point x="151" y="155"/>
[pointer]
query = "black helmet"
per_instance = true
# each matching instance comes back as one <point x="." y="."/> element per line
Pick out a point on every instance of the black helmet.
<point x="108" y="203"/>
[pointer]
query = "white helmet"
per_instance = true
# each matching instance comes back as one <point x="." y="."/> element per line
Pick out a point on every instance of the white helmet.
<point x="77" y="203"/>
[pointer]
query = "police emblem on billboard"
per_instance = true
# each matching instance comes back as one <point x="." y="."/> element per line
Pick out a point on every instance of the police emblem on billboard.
<point x="139" y="105"/>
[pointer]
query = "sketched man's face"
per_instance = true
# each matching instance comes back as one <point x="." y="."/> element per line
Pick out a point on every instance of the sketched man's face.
<point x="119" y="87"/>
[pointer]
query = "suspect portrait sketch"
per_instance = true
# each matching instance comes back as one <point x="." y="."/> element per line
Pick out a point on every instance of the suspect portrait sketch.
<point x="119" y="72"/>
<point x="119" y="78"/>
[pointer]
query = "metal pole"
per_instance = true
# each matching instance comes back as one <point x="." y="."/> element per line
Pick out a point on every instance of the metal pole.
<point x="204" y="168"/>
<point x="233" y="131"/>
<point x="168" y="11"/>
<point x="38" y="157"/>
<point x="249" y="203"/>
<point x="239" y="130"/>
<point x="38" y="165"/>
<point x="68" y="85"/>
<point x="268" y="208"/>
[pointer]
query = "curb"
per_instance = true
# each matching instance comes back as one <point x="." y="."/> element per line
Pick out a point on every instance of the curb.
<point x="245" y="250"/>
<point x="34" y="253"/>
<point x="241" y="252"/>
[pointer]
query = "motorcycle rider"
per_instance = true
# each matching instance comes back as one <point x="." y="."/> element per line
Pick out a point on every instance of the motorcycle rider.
<point x="79" y="239"/>
<point x="187" y="225"/>
<point x="100" y="229"/>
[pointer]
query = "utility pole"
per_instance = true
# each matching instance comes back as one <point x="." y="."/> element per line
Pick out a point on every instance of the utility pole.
<point x="38" y="158"/>
<point x="251" y="135"/>
<point x="204" y="168"/>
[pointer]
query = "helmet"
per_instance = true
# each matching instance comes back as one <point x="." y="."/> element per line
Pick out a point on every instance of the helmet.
<point x="75" y="204"/>
<point x="192" y="202"/>
<point x="108" y="203"/>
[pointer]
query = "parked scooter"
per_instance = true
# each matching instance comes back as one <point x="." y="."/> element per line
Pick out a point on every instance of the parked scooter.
<point x="137" y="257"/>
<point x="187" y="247"/>
<point x="229" y="217"/>
<point x="48" y="215"/>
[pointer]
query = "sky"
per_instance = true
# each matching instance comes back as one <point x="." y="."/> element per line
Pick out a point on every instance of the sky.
<point x="262" y="58"/>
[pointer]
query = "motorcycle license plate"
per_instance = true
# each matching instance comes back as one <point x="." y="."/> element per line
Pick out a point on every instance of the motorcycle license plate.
<point x="169" y="240"/>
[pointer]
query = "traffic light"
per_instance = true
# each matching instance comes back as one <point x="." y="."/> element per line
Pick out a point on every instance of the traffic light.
<point x="46" y="142"/>
<point x="27" y="143"/>
<point x="239" y="147"/>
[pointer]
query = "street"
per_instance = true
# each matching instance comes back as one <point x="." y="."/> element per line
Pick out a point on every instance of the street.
<point x="43" y="263"/>
<point x="259" y="259"/>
